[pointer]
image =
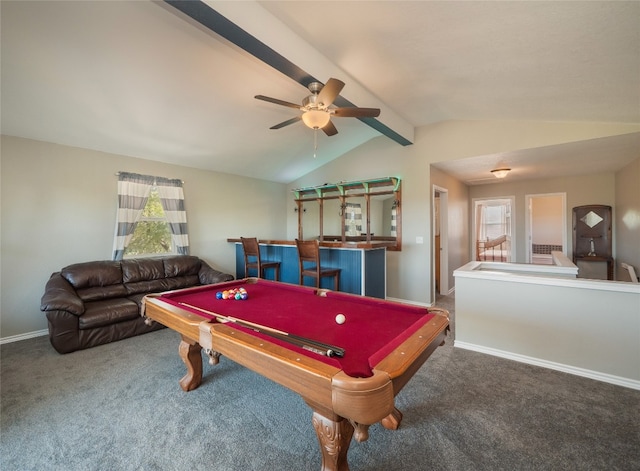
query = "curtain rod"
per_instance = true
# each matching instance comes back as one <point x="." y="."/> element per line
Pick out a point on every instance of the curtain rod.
<point x="117" y="174"/>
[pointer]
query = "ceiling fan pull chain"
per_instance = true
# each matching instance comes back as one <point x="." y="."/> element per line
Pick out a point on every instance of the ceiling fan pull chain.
<point x="315" y="142"/>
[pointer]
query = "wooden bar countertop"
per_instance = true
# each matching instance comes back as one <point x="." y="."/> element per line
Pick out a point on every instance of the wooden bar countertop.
<point x="332" y="244"/>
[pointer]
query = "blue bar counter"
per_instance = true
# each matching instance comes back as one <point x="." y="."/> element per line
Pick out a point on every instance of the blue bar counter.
<point x="363" y="266"/>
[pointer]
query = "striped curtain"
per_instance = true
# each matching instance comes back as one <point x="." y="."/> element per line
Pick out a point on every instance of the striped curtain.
<point x="353" y="219"/>
<point x="394" y="224"/>
<point x="172" y="200"/>
<point x="133" y="193"/>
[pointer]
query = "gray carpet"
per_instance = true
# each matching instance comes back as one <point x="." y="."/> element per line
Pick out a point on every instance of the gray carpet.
<point x="119" y="407"/>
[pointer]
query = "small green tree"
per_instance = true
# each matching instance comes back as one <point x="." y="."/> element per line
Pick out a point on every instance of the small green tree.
<point x="152" y="234"/>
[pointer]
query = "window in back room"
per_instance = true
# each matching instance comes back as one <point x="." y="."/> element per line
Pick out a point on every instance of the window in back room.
<point x="494" y="230"/>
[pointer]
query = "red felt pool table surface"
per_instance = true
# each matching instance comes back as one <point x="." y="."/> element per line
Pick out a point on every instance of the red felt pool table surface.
<point x="372" y="329"/>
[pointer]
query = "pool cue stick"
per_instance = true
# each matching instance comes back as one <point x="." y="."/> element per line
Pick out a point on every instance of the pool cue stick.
<point x="314" y="346"/>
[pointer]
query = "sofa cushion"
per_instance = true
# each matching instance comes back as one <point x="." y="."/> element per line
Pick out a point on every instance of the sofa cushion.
<point x="90" y="274"/>
<point x="142" y="269"/>
<point x="96" y="293"/>
<point x="180" y="282"/>
<point x="158" y="286"/>
<point x="183" y="265"/>
<point x="106" y="312"/>
<point x="152" y="286"/>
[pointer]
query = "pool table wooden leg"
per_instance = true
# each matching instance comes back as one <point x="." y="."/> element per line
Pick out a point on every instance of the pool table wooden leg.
<point x="189" y="351"/>
<point x="334" y="437"/>
<point x="392" y="421"/>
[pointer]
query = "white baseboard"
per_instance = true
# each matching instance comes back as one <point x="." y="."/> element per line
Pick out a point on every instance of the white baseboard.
<point x="404" y="301"/>
<point x="416" y="303"/>
<point x="28" y="335"/>
<point x="604" y="377"/>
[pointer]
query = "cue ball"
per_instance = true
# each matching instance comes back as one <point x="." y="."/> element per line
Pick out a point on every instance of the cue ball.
<point x="340" y="318"/>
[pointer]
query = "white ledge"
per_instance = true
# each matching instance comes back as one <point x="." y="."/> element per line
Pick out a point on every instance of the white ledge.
<point x="551" y="275"/>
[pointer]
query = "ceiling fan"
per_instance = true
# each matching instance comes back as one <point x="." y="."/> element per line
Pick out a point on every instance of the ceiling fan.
<point x="317" y="108"/>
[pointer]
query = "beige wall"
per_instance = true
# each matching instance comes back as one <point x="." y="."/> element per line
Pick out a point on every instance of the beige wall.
<point x="59" y="207"/>
<point x="626" y="216"/>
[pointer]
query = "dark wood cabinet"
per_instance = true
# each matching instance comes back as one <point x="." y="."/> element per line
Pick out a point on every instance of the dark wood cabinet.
<point x="592" y="235"/>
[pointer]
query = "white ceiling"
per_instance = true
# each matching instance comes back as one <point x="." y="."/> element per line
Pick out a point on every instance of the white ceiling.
<point x="139" y="78"/>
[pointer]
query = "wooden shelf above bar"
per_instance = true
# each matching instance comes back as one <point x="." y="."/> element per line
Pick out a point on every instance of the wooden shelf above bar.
<point x="374" y="207"/>
<point x="341" y="188"/>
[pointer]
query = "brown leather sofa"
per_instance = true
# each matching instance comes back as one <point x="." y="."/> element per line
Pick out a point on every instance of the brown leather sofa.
<point x="93" y="303"/>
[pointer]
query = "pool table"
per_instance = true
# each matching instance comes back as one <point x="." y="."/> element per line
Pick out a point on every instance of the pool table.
<point x="349" y="382"/>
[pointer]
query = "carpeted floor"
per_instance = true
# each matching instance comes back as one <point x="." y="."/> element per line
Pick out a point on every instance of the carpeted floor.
<point x="119" y="407"/>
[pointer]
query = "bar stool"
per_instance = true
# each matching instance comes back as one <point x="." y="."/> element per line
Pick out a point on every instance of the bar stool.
<point x="253" y="260"/>
<point x="309" y="252"/>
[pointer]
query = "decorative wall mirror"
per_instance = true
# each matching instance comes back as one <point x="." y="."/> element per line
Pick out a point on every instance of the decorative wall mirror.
<point x="364" y="212"/>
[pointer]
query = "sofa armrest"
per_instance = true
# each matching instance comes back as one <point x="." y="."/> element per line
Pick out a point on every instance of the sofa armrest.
<point x="209" y="276"/>
<point x="59" y="295"/>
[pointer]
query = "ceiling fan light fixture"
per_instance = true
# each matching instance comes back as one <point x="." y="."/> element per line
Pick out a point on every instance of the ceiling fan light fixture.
<point x="316" y="119"/>
<point x="500" y="172"/>
<point x="317" y="108"/>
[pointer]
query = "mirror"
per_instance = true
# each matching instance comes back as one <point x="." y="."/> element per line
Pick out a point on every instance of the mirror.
<point x="364" y="212"/>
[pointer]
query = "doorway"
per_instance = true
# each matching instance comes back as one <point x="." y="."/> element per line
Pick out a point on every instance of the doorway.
<point x="440" y="255"/>
<point x="546" y="227"/>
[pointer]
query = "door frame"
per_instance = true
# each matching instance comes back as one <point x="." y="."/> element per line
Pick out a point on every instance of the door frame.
<point x="528" y="223"/>
<point x="444" y="239"/>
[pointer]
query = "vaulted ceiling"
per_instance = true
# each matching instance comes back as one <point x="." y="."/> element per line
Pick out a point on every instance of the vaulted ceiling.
<point x="156" y="80"/>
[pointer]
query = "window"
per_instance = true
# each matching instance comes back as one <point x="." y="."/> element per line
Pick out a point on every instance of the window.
<point x="151" y="217"/>
<point x="152" y="234"/>
<point x="496" y="221"/>
<point x="493" y="230"/>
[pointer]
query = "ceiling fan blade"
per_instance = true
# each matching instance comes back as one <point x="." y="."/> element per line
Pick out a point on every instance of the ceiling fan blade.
<point x="286" y="123"/>
<point x="330" y="91"/>
<point x="329" y="129"/>
<point x="277" y="102"/>
<point x="356" y="112"/>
